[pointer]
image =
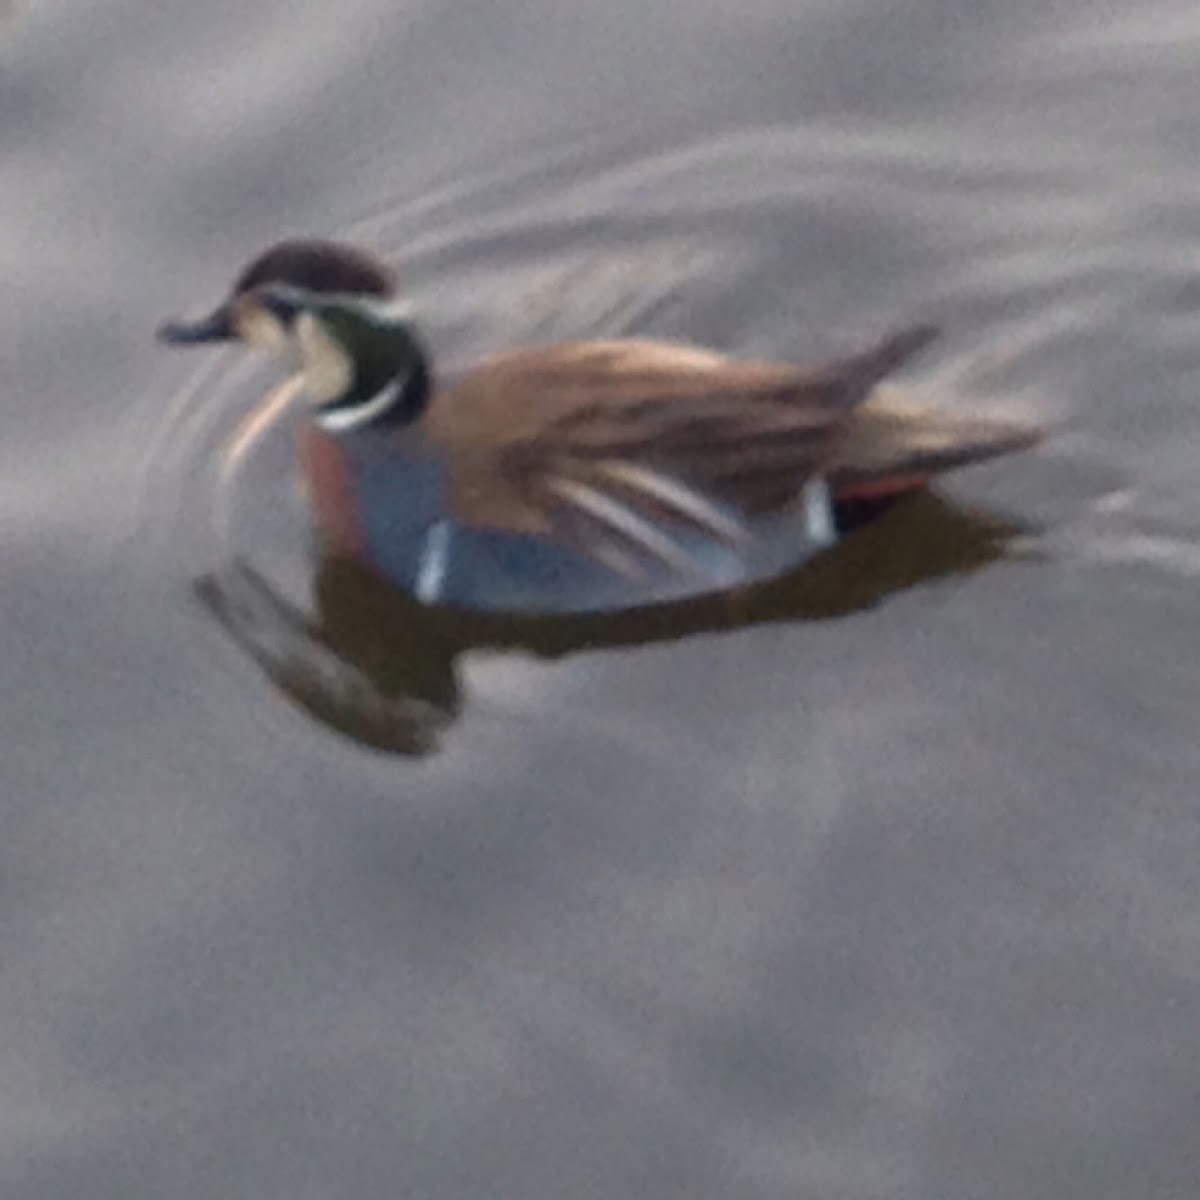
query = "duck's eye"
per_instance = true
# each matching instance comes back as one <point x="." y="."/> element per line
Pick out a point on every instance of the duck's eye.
<point x="284" y="304"/>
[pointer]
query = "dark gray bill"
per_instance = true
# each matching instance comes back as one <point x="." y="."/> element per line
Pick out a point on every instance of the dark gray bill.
<point x="216" y="327"/>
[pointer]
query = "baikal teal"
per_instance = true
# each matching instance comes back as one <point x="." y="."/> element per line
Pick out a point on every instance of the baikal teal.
<point x="586" y="476"/>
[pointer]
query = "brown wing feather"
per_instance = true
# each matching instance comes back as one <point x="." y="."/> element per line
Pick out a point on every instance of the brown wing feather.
<point x="749" y="434"/>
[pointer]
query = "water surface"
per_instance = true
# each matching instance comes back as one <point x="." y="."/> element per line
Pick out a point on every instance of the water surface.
<point x="883" y="888"/>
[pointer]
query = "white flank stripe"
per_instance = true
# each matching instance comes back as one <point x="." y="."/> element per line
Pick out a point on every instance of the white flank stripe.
<point x="433" y="563"/>
<point x="624" y="522"/>
<point x="818" y="512"/>
<point x="684" y="500"/>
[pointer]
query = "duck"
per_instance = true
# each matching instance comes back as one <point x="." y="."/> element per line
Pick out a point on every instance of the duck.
<point x="585" y="476"/>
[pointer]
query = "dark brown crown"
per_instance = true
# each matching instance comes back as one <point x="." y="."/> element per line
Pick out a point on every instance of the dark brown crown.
<point x="316" y="265"/>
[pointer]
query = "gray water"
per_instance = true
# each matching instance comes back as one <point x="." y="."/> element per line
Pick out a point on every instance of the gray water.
<point x="882" y="886"/>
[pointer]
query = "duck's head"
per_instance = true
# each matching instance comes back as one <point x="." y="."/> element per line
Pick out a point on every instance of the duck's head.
<point x="331" y="306"/>
<point x="311" y="266"/>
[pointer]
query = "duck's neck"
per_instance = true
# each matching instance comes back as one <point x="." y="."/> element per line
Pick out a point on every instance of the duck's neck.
<point x="372" y="376"/>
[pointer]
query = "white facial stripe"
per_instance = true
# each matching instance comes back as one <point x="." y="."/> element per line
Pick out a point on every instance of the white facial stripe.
<point x="387" y="308"/>
<point x="391" y="311"/>
<point x="818" y="512"/>
<point x="343" y="419"/>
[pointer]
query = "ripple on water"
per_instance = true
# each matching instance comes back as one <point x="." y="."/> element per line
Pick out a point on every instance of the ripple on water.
<point x="534" y="251"/>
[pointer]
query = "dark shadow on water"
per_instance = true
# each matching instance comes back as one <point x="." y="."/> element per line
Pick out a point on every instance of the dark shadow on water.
<point x="377" y="667"/>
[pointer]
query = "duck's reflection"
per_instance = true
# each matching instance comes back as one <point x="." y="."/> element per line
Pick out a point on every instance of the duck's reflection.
<point x="377" y="667"/>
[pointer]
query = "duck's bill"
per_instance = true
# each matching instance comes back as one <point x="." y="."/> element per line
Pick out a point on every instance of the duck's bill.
<point x="217" y="326"/>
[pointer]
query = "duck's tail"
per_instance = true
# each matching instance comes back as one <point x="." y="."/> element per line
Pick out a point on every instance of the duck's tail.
<point x="889" y="446"/>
